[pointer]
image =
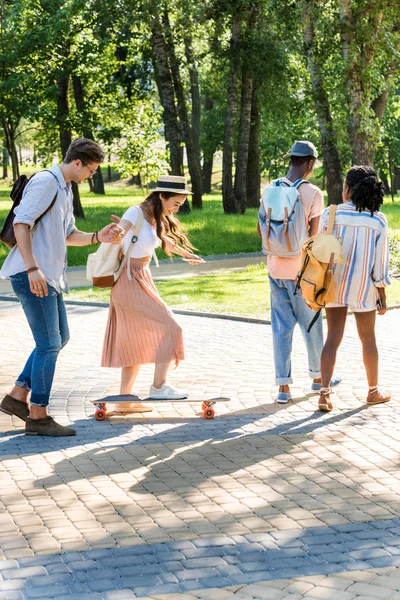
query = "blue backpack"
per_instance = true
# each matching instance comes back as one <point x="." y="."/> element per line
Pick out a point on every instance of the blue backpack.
<point x="282" y="219"/>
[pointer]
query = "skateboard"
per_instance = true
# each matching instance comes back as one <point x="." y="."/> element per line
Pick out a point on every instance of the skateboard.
<point x="101" y="405"/>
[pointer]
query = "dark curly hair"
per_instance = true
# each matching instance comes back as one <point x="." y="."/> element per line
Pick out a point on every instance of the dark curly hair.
<point x="366" y="191"/>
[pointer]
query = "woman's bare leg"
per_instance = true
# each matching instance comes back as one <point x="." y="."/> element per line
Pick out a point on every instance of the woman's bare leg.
<point x="336" y="320"/>
<point x="366" y="332"/>
<point x="128" y="378"/>
<point x="160" y="374"/>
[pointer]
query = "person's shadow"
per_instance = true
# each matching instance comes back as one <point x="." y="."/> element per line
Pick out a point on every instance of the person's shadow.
<point x="223" y="434"/>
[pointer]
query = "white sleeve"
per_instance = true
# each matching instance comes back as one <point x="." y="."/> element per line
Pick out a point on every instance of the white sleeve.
<point x="132" y="214"/>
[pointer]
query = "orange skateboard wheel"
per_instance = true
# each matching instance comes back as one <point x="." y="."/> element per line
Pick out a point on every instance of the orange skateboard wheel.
<point x="209" y="413"/>
<point x="100" y="414"/>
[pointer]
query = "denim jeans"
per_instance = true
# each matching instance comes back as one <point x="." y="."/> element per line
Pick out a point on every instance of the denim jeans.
<point x="47" y="319"/>
<point x="287" y="309"/>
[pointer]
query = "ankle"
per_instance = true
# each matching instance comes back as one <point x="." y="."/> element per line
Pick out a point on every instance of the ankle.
<point x="19" y="393"/>
<point x="317" y="380"/>
<point x="37" y="412"/>
<point x="158" y="385"/>
<point x="284" y="388"/>
<point x="325" y="391"/>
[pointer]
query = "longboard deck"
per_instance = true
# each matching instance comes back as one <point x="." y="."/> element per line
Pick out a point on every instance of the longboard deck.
<point x="131" y="398"/>
<point x="101" y="404"/>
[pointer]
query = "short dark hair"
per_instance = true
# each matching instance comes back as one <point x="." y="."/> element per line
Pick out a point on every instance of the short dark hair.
<point x="298" y="161"/>
<point x="85" y="150"/>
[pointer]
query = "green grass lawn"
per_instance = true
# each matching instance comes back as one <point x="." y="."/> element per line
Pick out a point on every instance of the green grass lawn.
<point x="243" y="293"/>
<point x="210" y="230"/>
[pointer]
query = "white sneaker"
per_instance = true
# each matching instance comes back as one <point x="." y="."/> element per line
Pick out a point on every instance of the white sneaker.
<point x="167" y="392"/>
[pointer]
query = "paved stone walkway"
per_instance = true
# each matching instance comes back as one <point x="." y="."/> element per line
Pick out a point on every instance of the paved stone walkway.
<point x="264" y="501"/>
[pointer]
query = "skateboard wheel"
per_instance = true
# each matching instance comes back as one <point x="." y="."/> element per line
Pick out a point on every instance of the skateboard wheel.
<point x="100" y="414"/>
<point x="209" y="413"/>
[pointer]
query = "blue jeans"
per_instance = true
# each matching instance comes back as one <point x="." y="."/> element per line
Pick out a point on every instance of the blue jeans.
<point x="287" y="309"/>
<point x="47" y="319"/>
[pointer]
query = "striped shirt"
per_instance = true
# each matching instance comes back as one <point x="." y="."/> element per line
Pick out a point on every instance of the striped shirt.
<point x="365" y="243"/>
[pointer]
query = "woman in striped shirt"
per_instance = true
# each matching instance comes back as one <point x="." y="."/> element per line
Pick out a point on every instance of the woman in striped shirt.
<point x="359" y="283"/>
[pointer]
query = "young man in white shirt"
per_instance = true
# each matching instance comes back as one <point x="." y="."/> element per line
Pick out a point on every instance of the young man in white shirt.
<point x="36" y="267"/>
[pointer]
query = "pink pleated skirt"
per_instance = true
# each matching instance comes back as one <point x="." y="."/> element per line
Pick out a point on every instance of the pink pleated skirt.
<point x="141" y="329"/>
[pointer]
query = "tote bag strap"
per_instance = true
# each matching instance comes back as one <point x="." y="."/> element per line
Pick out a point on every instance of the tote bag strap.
<point x="136" y="231"/>
<point x="331" y="221"/>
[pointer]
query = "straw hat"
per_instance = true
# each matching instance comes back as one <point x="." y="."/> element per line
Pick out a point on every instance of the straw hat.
<point x="172" y="183"/>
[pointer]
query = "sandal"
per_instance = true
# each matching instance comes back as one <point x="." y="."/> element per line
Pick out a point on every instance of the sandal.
<point x="324" y="402"/>
<point x="377" y="395"/>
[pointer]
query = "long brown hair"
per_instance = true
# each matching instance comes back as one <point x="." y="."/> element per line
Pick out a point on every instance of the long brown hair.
<point x="167" y="225"/>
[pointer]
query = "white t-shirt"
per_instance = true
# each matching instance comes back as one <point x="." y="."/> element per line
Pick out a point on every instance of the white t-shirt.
<point x="147" y="238"/>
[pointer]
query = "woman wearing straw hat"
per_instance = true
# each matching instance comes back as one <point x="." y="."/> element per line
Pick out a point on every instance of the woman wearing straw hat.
<point x="141" y="329"/>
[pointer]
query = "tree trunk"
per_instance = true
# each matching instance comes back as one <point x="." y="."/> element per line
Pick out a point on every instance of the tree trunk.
<point x="228" y="198"/>
<point x="5" y="162"/>
<point x="195" y="95"/>
<point x="332" y="162"/>
<point x="65" y="133"/>
<point x="208" y="162"/>
<point x="209" y="150"/>
<point x="9" y="130"/>
<point x="385" y="181"/>
<point x="243" y="143"/>
<point x="253" y="184"/>
<point x="79" y="94"/>
<point x="167" y="97"/>
<point x="192" y="157"/>
<point x="109" y="172"/>
<point x="20" y="155"/>
<point x="359" y="58"/>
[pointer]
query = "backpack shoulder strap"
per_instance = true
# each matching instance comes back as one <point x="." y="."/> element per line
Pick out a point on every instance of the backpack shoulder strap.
<point x="298" y="182"/>
<point x="331" y="220"/>
<point x="54" y="199"/>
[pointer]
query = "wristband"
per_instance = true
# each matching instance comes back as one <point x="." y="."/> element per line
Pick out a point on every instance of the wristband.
<point x="96" y="233"/>
<point x="32" y="269"/>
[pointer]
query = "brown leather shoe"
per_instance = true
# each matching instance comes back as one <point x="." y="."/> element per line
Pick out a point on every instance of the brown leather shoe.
<point x="11" y="406"/>
<point x="47" y="426"/>
<point x="378" y="396"/>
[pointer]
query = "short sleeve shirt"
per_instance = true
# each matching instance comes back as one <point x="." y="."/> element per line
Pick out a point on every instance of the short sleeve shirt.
<point x="147" y="239"/>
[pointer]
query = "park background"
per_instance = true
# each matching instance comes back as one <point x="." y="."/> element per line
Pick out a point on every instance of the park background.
<point x="214" y="90"/>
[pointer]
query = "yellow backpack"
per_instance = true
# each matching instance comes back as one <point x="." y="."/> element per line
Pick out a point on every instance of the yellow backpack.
<point x="315" y="278"/>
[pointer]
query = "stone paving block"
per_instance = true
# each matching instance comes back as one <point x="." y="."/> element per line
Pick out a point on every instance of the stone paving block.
<point x="24" y="572"/>
<point x="371" y="591"/>
<point x="140" y="570"/>
<point x="46" y="591"/>
<point x="8" y="564"/>
<point x="128" y="581"/>
<point x="119" y="595"/>
<point x="322" y="593"/>
<point x="199" y="563"/>
<point x="195" y="574"/>
<point x="15" y="595"/>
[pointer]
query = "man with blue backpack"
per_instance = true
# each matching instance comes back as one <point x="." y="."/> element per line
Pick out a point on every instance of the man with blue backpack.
<point x="290" y="211"/>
